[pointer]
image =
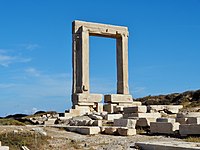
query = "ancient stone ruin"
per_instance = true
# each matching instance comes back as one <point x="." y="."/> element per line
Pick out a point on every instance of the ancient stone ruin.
<point x="119" y="114"/>
<point x="81" y="95"/>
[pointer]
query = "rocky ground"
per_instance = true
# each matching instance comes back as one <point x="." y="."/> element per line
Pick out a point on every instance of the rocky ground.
<point x="60" y="139"/>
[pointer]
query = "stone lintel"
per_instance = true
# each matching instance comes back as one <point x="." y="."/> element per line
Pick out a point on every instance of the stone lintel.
<point x="87" y="98"/>
<point x="98" y="29"/>
<point x="117" y="98"/>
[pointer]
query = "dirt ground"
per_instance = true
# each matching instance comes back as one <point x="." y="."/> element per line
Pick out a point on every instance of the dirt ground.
<point x="60" y="139"/>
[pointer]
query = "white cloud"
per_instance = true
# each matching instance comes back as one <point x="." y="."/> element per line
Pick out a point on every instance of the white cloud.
<point x="32" y="71"/>
<point x="7" y="59"/>
<point x="29" y="46"/>
<point x="41" y="84"/>
<point x="44" y="91"/>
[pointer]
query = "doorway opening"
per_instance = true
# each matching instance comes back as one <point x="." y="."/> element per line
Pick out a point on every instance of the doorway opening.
<point x="103" y="68"/>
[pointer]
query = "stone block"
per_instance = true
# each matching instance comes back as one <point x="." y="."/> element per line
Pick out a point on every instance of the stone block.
<point x="55" y="115"/>
<point x="172" y="120"/>
<point x="86" y="98"/>
<point x="91" y="123"/>
<point x="117" y="98"/>
<point x="118" y="109"/>
<point x="110" y="130"/>
<point x="83" y="122"/>
<point x="189" y="129"/>
<point x="79" y="110"/>
<point x="173" y="108"/>
<point x="95" y="117"/>
<point x="109" y="107"/>
<point x="142" y="115"/>
<point x="104" y="114"/>
<point x="182" y="120"/>
<point x="99" y="107"/>
<point x="145" y="122"/>
<point x="128" y="104"/>
<point x="172" y="145"/>
<point x="126" y="131"/>
<point x="102" y="128"/>
<point x="164" y="127"/>
<point x="88" y="130"/>
<point x="4" y="148"/>
<point x="167" y="108"/>
<point x="193" y="120"/>
<point x="76" y="123"/>
<point x="163" y="113"/>
<point x="135" y="109"/>
<point x="48" y="115"/>
<point x="61" y="114"/>
<point x="171" y="115"/>
<point x="50" y="121"/>
<point x="131" y="123"/>
<point x="67" y="116"/>
<point x="155" y="108"/>
<point x="111" y="117"/>
<point x="84" y="130"/>
<point x="97" y="123"/>
<point x="188" y="114"/>
<point x="86" y="104"/>
<point x="75" y="112"/>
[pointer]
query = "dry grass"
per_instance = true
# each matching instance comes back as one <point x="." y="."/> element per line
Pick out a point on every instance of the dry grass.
<point x="11" y="122"/>
<point x="15" y="141"/>
<point x="193" y="139"/>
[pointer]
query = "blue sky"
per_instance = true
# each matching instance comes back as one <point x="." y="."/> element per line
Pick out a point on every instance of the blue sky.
<point x="35" y="49"/>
